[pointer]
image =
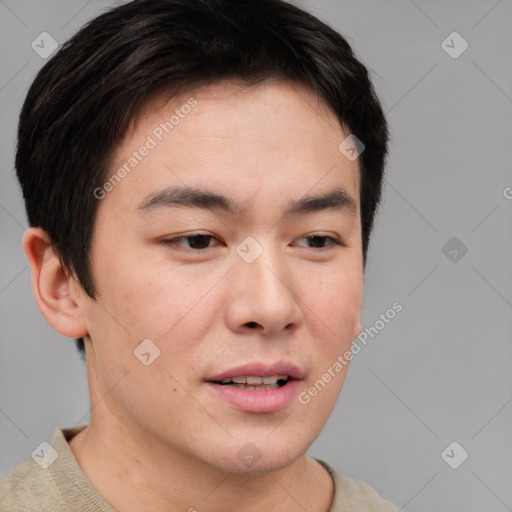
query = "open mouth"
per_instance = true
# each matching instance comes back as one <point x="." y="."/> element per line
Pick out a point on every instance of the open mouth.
<point x="258" y="388"/>
<point x="254" y="383"/>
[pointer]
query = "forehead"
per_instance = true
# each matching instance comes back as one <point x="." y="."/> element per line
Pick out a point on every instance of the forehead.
<point x="272" y="95"/>
<point x="276" y="135"/>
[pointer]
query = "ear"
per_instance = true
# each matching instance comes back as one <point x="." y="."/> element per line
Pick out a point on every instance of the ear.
<point x="57" y="295"/>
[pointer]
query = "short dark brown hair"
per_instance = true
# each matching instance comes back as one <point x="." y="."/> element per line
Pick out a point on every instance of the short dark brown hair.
<point x="82" y="101"/>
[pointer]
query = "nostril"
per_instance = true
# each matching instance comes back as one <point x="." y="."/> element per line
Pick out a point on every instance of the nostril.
<point x="252" y="324"/>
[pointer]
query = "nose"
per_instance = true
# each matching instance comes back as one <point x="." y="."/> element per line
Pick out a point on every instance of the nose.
<point x="262" y="295"/>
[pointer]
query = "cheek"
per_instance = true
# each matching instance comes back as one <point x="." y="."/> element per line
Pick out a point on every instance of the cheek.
<point x="163" y="307"/>
<point x="137" y="296"/>
<point x="337" y="301"/>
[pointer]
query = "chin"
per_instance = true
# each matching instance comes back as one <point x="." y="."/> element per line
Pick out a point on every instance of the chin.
<point x="261" y="456"/>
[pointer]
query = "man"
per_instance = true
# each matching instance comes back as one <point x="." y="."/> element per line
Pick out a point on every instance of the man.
<point x="200" y="179"/>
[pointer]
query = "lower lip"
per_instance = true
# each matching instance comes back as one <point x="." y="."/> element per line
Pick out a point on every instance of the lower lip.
<point x="261" y="401"/>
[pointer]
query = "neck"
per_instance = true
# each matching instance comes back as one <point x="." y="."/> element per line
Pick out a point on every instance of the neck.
<point x="132" y="475"/>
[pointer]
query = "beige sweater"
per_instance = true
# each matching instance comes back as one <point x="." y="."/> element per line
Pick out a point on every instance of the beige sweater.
<point x="64" y="487"/>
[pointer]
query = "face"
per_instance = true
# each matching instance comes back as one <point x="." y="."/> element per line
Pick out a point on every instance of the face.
<point x="213" y="262"/>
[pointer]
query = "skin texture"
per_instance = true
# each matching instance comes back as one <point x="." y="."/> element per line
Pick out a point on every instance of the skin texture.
<point x="159" y="438"/>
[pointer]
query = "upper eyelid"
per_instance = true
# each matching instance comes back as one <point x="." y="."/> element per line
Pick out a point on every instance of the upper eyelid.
<point x="208" y="233"/>
<point x="192" y="235"/>
<point x="335" y="240"/>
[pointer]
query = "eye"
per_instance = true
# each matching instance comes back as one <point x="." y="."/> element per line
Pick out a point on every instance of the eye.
<point x="201" y="241"/>
<point x="196" y="241"/>
<point x="317" y="241"/>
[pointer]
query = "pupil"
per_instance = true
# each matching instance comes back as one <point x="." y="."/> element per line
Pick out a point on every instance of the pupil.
<point x="202" y="239"/>
<point x="316" y="241"/>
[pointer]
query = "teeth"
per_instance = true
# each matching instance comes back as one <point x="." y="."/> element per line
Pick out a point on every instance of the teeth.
<point x="246" y="387"/>
<point x="252" y="380"/>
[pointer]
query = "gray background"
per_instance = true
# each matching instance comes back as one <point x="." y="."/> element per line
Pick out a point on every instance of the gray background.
<point x="440" y="370"/>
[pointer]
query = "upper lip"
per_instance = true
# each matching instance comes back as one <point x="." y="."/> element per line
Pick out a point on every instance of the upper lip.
<point x="258" y="369"/>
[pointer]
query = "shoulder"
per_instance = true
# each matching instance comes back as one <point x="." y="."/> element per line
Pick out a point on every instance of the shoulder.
<point x="51" y="480"/>
<point x="351" y="494"/>
<point x="23" y="487"/>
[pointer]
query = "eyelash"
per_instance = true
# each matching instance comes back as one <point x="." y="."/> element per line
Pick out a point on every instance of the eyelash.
<point x="174" y="241"/>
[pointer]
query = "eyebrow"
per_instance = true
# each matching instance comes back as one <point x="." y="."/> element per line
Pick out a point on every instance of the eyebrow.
<point x="190" y="197"/>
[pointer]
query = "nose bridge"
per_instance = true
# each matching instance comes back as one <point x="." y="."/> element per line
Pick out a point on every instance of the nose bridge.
<point x="263" y="289"/>
<point x="262" y="262"/>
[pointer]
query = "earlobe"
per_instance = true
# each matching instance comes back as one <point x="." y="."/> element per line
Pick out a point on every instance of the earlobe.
<point x="56" y="296"/>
